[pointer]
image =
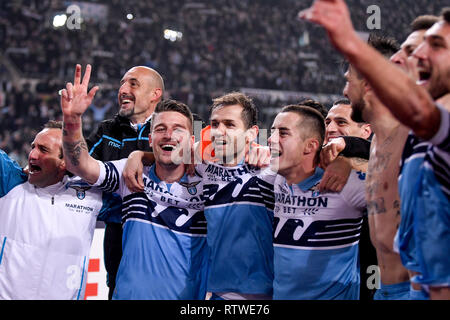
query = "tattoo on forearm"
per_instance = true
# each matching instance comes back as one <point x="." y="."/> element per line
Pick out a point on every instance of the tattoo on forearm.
<point x="376" y="206"/>
<point x="74" y="150"/>
<point x="396" y="205"/>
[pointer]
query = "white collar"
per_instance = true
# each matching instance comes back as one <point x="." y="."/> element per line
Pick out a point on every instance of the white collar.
<point x="138" y="126"/>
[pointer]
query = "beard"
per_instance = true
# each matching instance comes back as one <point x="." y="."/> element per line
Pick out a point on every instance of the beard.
<point x="126" y="113"/>
<point x="357" y="110"/>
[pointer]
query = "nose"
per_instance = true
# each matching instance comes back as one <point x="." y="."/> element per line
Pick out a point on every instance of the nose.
<point x="330" y="127"/>
<point x="124" y="88"/>
<point x="34" y="154"/>
<point x="273" y="138"/>
<point x="219" y="130"/>
<point x="421" y="51"/>
<point x="399" y="58"/>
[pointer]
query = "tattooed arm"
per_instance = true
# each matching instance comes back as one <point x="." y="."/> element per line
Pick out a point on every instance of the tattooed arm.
<point x="75" y="99"/>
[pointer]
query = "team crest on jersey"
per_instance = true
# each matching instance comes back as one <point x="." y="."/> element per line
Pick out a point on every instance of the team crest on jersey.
<point x="191" y="187"/>
<point x="282" y="189"/>
<point x="80" y="190"/>
<point x="315" y="190"/>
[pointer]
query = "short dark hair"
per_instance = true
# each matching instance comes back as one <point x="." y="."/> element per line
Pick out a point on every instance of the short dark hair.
<point x="385" y="45"/>
<point x="423" y="22"/>
<point x="249" y="111"/>
<point x="312" y="121"/>
<point x="176" y="106"/>
<point x="445" y="14"/>
<point x="341" y="101"/>
<point x="315" y="105"/>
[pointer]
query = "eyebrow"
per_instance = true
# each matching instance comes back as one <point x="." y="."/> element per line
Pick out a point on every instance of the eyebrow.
<point x="130" y="79"/>
<point x="281" y="128"/>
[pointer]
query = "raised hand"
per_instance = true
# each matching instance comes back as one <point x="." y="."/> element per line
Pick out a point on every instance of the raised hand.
<point x="75" y="98"/>
<point x="334" y="16"/>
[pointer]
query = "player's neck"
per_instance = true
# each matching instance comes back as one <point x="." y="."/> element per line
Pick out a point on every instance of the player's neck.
<point x="383" y="122"/>
<point x="300" y="173"/>
<point x="237" y="159"/>
<point x="169" y="173"/>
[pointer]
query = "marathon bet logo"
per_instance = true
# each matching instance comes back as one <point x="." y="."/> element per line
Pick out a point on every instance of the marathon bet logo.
<point x="79" y="208"/>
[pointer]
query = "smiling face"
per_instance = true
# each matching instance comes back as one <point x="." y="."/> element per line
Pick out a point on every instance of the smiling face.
<point x="339" y="123"/>
<point x="402" y="56"/>
<point x="286" y="143"/>
<point x="433" y="56"/>
<point x="45" y="161"/>
<point x="229" y="134"/>
<point x="139" y="91"/>
<point x="171" y="138"/>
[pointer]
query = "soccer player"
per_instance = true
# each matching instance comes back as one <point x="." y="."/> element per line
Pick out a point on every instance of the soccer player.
<point x="164" y="244"/>
<point x="338" y="122"/>
<point x="47" y="223"/>
<point x="141" y="88"/>
<point x="424" y="177"/>
<point x="237" y="208"/>
<point x="315" y="235"/>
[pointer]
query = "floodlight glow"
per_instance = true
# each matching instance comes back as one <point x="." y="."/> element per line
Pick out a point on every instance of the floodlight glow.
<point x="172" y="35"/>
<point x="130" y="16"/>
<point x="59" y="20"/>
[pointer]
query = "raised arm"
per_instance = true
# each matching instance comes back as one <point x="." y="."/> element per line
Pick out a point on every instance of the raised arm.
<point x="409" y="103"/>
<point x="75" y="99"/>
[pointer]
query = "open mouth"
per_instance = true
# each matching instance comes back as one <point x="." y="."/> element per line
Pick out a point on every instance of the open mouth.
<point x="168" y="147"/>
<point x="33" y="169"/>
<point x="126" y="100"/>
<point x="424" y="76"/>
<point x="219" y="143"/>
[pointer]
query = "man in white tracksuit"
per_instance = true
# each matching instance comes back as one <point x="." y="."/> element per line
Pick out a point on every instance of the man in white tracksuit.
<point x="47" y="222"/>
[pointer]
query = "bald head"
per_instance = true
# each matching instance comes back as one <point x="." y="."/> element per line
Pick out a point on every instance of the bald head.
<point x="141" y="88"/>
<point x="153" y="76"/>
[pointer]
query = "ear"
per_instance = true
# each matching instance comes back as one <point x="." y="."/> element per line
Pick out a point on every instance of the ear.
<point x="366" y="86"/>
<point x="62" y="165"/>
<point x="157" y="94"/>
<point x="252" y="133"/>
<point x="366" y="131"/>
<point x="150" y="139"/>
<point x="311" y="146"/>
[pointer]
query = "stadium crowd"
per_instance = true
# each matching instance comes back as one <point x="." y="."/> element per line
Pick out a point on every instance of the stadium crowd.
<point x="233" y="44"/>
<point x="378" y="159"/>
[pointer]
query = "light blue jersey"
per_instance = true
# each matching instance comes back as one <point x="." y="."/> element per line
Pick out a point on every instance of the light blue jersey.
<point x="165" y="255"/>
<point x="424" y="187"/>
<point x="316" y="239"/>
<point x="238" y="209"/>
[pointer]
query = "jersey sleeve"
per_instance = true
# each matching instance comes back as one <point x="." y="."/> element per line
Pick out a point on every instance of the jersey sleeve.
<point x="110" y="178"/>
<point x="441" y="139"/>
<point x="354" y="190"/>
<point x="11" y="174"/>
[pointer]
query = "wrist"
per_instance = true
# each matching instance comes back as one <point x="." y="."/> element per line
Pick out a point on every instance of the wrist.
<point x="71" y="124"/>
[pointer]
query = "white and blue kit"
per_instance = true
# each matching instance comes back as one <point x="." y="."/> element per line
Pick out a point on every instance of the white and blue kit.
<point x="165" y="255"/>
<point x="238" y="210"/>
<point x="423" y="236"/>
<point x="316" y="239"/>
<point x="45" y="235"/>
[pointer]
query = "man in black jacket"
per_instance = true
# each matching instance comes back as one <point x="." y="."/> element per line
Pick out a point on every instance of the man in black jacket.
<point x="141" y="88"/>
